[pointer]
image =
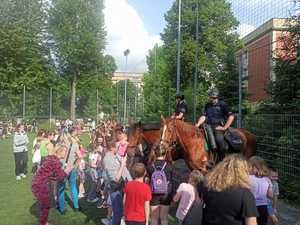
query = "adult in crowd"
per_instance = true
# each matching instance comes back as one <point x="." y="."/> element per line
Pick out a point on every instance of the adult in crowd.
<point x="73" y="144"/>
<point x="137" y="196"/>
<point x="114" y="169"/>
<point x="226" y="194"/>
<point x="261" y="187"/>
<point x="219" y="118"/>
<point x="20" y="143"/>
<point x="160" y="171"/>
<point x="50" y="170"/>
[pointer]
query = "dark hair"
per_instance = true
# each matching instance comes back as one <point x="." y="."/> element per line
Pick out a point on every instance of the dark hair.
<point x="209" y="165"/>
<point x="138" y="170"/>
<point x="110" y="144"/>
<point x="19" y="125"/>
<point x="159" y="151"/>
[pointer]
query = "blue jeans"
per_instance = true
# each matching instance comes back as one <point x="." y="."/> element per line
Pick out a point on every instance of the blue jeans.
<point x="117" y="207"/>
<point x="93" y="184"/>
<point x="74" y="192"/>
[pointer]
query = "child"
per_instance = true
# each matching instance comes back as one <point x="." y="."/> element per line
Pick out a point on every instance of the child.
<point x="261" y="187"/>
<point x="137" y="196"/>
<point x="80" y="163"/>
<point x="122" y="143"/>
<point x="272" y="203"/>
<point x="94" y="158"/>
<point x="51" y="169"/>
<point x="207" y="167"/>
<point x="36" y="153"/>
<point x="187" y="194"/>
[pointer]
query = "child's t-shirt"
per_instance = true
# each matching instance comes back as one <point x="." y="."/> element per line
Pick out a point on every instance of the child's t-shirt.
<point x="122" y="148"/>
<point x="137" y="193"/>
<point x="187" y="196"/>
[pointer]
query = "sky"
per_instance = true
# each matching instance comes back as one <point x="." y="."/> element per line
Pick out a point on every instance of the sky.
<point x="136" y="25"/>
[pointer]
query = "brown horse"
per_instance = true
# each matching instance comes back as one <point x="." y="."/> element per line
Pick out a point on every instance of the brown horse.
<point x="192" y="141"/>
<point x="141" y="138"/>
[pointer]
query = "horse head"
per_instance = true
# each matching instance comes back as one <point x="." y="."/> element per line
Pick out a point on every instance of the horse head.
<point x="134" y="135"/>
<point x="168" y="137"/>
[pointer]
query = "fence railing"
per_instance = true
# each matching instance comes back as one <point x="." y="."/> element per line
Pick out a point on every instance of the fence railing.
<point x="278" y="141"/>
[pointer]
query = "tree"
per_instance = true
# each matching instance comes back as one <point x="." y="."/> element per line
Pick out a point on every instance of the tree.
<point x="217" y="45"/>
<point x="77" y="31"/>
<point x="284" y="89"/>
<point x="24" y="59"/>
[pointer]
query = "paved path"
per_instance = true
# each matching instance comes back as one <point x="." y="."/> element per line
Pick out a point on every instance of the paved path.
<point x="288" y="215"/>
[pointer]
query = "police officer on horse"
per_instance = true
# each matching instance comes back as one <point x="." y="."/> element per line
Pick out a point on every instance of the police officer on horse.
<point x="181" y="107"/>
<point x="218" y="116"/>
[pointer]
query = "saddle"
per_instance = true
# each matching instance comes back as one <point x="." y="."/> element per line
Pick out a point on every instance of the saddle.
<point x="232" y="138"/>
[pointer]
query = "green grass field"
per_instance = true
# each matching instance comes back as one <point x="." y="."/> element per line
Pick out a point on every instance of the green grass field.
<point x="17" y="203"/>
<point x="18" y="206"/>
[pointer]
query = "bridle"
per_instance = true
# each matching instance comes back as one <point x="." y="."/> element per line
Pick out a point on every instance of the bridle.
<point x="170" y="144"/>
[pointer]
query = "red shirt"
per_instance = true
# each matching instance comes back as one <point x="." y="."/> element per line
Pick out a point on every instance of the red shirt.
<point x="137" y="193"/>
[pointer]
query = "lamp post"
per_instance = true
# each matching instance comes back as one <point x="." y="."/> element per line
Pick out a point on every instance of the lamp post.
<point x="196" y="63"/>
<point x="24" y="102"/>
<point x="50" y="107"/>
<point x="126" y="53"/>
<point x="178" y="48"/>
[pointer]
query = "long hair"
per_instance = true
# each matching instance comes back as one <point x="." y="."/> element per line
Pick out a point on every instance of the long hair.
<point x="258" y="167"/>
<point x="159" y="151"/>
<point x="232" y="172"/>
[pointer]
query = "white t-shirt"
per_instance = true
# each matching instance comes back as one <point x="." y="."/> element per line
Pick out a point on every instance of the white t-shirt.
<point x="187" y="196"/>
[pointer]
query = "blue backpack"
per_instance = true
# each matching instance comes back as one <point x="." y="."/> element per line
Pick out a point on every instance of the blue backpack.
<point x="159" y="182"/>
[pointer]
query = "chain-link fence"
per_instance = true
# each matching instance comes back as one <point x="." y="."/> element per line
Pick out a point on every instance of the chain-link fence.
<point x="278" y="141"/>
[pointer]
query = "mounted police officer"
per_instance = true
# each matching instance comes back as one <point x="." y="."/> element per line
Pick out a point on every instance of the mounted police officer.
<point x="181" y="107"/>
<point x="219" y="118"/>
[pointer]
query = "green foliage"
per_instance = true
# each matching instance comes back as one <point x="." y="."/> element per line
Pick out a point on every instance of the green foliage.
<point x="23" y="60"/>
<point x="53" y="45"/>
<point x="217" y="45"/>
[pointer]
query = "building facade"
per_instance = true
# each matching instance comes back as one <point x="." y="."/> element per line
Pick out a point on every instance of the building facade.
<point x="256" y="59"/>
<point x="135" y="78"/>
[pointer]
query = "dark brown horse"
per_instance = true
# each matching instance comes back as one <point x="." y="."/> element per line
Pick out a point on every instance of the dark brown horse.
<point x="192" y="141"/>
<point x="141" y="138"/>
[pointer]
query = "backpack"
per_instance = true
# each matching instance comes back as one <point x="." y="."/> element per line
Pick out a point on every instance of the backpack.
<point x="159" y="182"/>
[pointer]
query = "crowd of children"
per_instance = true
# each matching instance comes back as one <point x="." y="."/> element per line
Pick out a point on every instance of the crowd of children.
<point x="143" y="194"/>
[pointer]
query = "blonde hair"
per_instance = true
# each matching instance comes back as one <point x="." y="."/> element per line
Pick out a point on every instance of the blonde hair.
<point x="232" y="172"/>
<point x="258" y="167"/>
<point x="195" y="177"/>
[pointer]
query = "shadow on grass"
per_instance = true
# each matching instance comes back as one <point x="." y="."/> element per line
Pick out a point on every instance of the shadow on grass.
<point x="89" y="213"/>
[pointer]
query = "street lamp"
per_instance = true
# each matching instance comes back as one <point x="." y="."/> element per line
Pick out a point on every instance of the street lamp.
<point x="126" y="53"/>
<point x="178" y="48"/>
<point x="196" y="63"/>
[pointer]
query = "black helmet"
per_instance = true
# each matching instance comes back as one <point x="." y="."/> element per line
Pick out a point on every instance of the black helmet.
<point x="214" y="92"/>
<point x="179" y="95"/>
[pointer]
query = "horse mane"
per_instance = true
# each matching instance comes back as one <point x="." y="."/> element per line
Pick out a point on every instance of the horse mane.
<point x="150" y="126"/>
<point x="189" y="129"/>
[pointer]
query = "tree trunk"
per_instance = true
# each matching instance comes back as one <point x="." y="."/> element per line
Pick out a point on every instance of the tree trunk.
<point x="73" y="99"/>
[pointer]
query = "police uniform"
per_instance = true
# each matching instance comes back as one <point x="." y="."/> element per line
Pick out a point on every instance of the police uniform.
<point x="217" y="115"/>
<point x="181" y="107"/>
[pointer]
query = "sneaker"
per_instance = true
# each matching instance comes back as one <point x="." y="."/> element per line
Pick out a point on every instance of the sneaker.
<point x="23" y="175"/>
<point x="101" y="203"/>
<point x="80" y="195"/>
<point x="93" y="200"/>
<point x="106" y="221"/>
<point x="18" y="177"/>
